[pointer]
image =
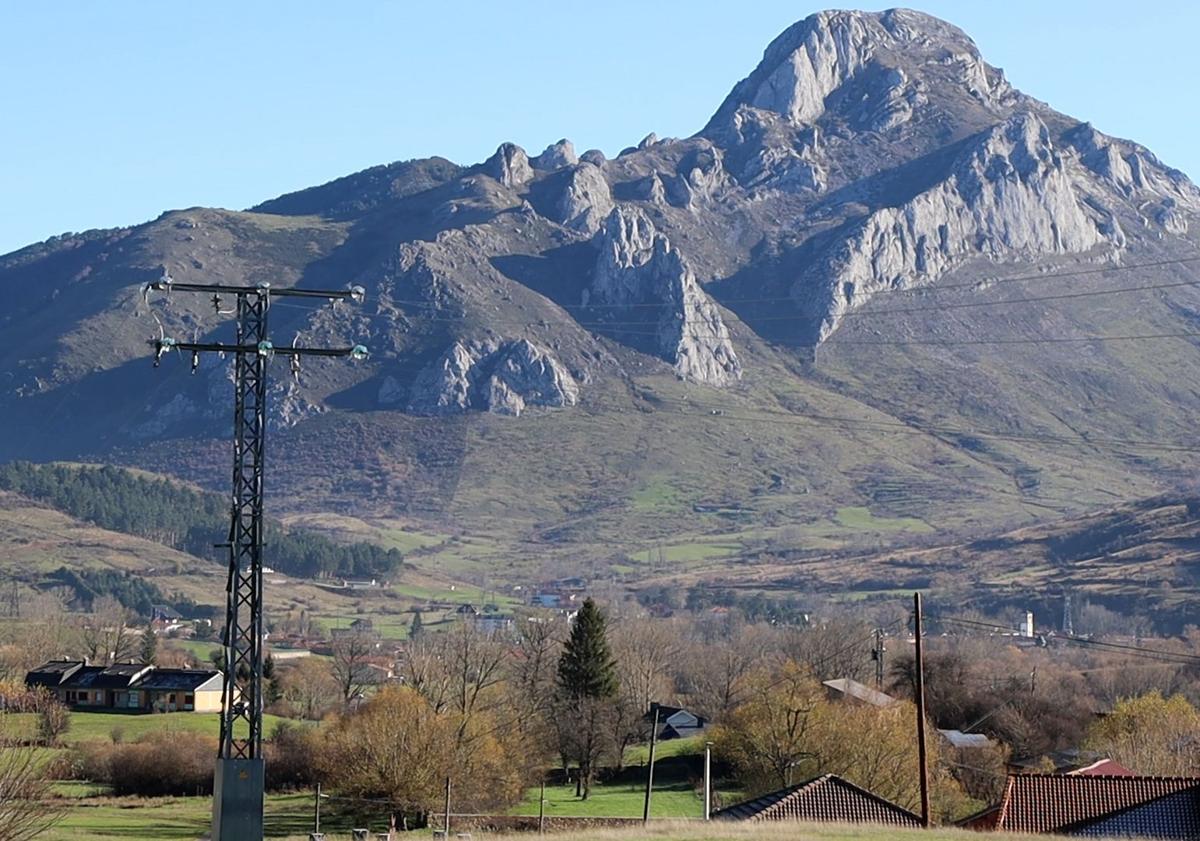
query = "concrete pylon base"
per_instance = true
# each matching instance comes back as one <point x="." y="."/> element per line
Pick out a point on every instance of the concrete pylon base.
<point x="238" y="800"/>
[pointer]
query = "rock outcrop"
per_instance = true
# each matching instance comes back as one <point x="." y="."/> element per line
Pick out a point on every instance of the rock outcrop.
<point x="640" y="278"/>
<point x="502" y="378"/>
<point x="1133" y="172"/>
<point x="556" y="156"/>
<point x="586" y="201"/>
<point x="509" y="165"/>
<point x="1008" y="195"/>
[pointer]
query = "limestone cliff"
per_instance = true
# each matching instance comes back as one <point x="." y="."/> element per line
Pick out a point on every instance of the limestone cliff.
<point x="640" y="279"/>
<point x="499" y="377"/>
<point x="1009" y="195"/>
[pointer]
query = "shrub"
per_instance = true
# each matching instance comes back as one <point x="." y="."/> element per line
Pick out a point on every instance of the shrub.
<point x="53" y="721"/>
<point x="290" y="756"/>
<point x="158" y="764"/>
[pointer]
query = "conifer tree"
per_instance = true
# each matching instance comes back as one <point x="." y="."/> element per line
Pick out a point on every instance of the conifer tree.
<point x="149" y="648"/>
<point x="587" y="668"/>
<point x="417" y="629"/>
<point x="587" y="689"/>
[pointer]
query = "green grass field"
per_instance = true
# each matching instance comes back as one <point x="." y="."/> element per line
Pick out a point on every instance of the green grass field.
<point x="862" y="519"/>
<point x="200" y="649"/>
<point x="670" y="800"/>
<point x="90" y="727"/>
<point x="640" y="754"/>
<point x="180" y="818"/>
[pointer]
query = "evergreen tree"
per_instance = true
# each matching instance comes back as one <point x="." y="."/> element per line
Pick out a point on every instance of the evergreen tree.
<point x="586" y="669"/>
<point x="587" y="689"/>
<point x="149" y="649"/>
<point x="417" y="629"/>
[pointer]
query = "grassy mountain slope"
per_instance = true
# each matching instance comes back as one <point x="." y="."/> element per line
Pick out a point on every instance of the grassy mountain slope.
<point x="1141" y="558"/>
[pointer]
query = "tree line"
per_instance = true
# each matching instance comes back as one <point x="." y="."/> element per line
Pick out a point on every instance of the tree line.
<point x="184" y="519"/>
<point x="137" y="594"/>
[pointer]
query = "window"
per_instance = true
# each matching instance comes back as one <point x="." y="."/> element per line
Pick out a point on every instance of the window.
<point x="189" y="700"/>
<point x="83" y="697"/>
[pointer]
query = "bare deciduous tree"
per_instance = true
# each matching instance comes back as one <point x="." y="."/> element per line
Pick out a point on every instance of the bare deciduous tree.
<point x="27" y="808"/>
<point x="645" y="652"/>
<point x="351" y="663"/>
<point x="105" y="632"/>
<point x="310" y="687"/>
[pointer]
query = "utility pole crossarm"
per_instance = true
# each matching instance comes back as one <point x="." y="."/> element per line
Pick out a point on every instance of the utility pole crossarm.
<point x="165" y="344"/>
<point x="166" y="283"/>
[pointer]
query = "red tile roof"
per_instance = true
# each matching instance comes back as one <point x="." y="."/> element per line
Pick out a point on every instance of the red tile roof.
<point x="1102" y="768"/>
<point x="1055" y="802"/>
<point x="827" y="799"/>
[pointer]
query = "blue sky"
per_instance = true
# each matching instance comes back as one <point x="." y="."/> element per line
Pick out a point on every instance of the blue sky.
<point x="116" y="111"/>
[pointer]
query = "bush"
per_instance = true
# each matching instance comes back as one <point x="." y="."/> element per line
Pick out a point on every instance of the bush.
<point x="290" y="756"/>
<point x="53" y="721"/>
<point x="158" y="764"/>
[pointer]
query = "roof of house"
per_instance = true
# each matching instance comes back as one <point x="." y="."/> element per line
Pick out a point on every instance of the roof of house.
<point x="828" y="798"/>
<point x="672" y="732"/>
<point x="1173" y="816"/>
<point x="1060" y="802"/>
<point x="165" y="611"/>
<point x="179" y="680"/>
<point x="959" y="739"/>
<point x="860" y="692"/>
<point x="1103" y="768"/>
<point x="85" y="677"/>
<point x="52" y="673"/>
<point x="118" y="675"/>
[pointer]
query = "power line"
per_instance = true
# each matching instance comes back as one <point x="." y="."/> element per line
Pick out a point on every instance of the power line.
<point x="620" y="327"/>
<point x="898" y="290"/>
<point x="714" y="411"/>
<point x="1166" y="656"/>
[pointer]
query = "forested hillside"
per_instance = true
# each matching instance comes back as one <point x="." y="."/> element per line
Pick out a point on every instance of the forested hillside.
<point x="184" y="519"/>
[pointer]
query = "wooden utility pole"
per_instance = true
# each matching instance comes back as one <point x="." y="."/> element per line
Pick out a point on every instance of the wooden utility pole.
<point x="317" y="811"/>
<point x="708" y="781"/>
<point x="650" y="769"/>
<point x="877" y="656"/>
<point x="446" y="812"/>
<point x="542" y="809"/>
<point x="922" y="755"/>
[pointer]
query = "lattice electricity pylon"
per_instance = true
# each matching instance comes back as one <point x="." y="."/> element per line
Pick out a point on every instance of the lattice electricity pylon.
<point x="237" y="806"/>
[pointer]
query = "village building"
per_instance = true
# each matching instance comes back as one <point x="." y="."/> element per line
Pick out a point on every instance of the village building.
<point x="851" y="691"/>
<point x="675" y="722"/>
<point x="1093" y="805"/>
<point x="825" y="799"/>
<point x="128" y="687"/>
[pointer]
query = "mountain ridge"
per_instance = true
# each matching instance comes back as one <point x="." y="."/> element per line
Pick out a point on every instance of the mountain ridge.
<point x="537" y="322"/>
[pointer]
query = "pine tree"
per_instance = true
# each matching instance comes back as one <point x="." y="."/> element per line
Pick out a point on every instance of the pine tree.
<point x="149" y="649"/>
<point x="586" y="668"/>
<point x="587" y="689"/>
<point x="417" y="629"/>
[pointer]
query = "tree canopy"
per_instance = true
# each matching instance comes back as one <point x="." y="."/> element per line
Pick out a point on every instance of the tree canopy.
<point x="184" y="519"/>
<point x="587" y="669"/>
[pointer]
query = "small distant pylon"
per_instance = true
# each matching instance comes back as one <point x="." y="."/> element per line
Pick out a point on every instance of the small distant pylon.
<point x="1068" y="626"/>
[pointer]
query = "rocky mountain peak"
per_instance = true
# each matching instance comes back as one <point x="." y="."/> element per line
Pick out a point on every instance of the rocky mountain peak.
<point x="1010" y="194"/>
<point x="509" y="165"/>
<point x="890" y="59"/>
<point x="556" y="156"/>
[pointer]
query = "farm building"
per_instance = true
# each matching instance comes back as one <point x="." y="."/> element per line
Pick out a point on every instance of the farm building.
<point x="129" y="687"/>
